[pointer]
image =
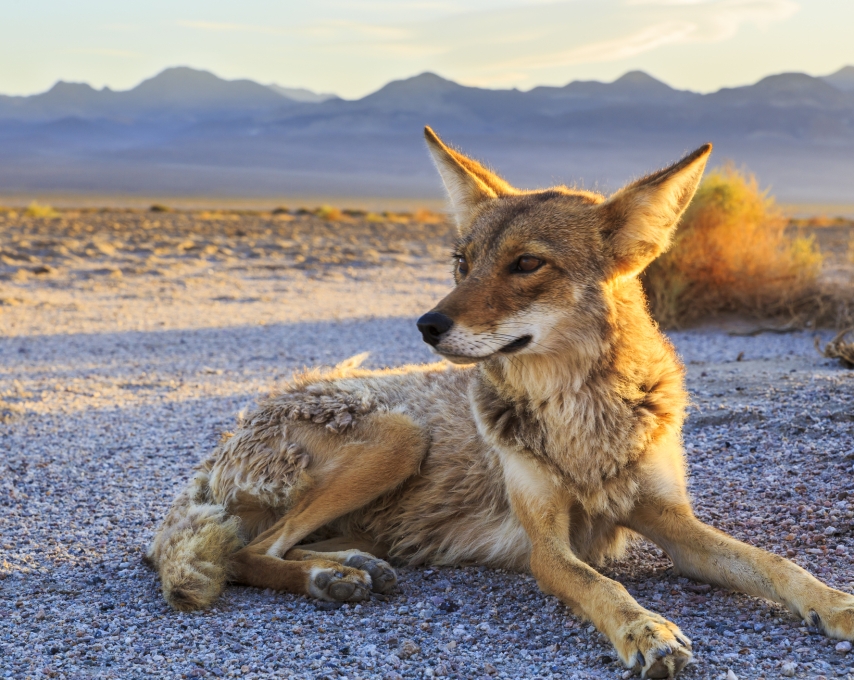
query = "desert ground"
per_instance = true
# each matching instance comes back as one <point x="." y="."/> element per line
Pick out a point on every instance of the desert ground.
<point x="129" y="340"/>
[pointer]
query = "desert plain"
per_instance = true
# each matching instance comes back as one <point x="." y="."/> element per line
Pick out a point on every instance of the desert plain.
<point x="130" y="339"/>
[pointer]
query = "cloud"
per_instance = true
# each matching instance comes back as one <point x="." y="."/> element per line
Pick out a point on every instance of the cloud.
<point x="488" y="45"/>
<point x="623" y="47"/>
<point x="512" y="42"/>
<point x="329" y="30"/>
<point x="702" y="21"/>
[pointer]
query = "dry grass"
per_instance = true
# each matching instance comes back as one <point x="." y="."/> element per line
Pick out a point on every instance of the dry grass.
<point x="38" y="210"/>
<point x="839" y="349"/>
<point x="731" y="255"/>
<point x="329" y="213"/>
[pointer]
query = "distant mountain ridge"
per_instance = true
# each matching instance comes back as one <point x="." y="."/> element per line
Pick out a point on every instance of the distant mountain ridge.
<point x="183" y="91"/>
<point x="180" y="91"/>
<point x="188" y="131"/>
<point x="300" y="94"/>
<point x="843" y="79"/>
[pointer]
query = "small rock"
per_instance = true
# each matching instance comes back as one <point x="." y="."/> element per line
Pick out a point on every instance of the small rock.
<point x="328" y="606"/>
<point x="442" y="669"/>
<point x="843" y="647"/>
<point x="840" y="550"/>
<point x="788" y="669"/>
<point x="408" y="648"/>
<point x="730" y="675"/>
<point x="489" y="669"/>
<point x="40" y="617"/>
<point x="830" y="531"/>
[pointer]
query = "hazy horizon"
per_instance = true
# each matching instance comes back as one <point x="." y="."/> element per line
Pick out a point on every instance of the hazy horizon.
<point x="700" y="45"/>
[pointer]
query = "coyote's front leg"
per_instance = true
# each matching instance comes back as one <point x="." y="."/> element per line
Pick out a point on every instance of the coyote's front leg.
<point x="644" y="640"/>
<point x="706" y="554"/>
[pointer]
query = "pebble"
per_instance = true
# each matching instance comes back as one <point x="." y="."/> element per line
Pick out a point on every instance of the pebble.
<point x="408" y="648"/>
<point x="843" y="647"/>
<point x="788" y="669"/>
<point x="730" y="675"/>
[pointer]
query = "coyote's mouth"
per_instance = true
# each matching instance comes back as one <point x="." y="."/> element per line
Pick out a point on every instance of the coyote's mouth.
<point x="516" y="345"/>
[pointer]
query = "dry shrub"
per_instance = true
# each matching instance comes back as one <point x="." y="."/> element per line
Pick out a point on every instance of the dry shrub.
<point x="838" y="348"/>
<point x="217" y="215"/>
<point x="731" y="255"/>
<point x="329" y="213"/>
<point x="38" y="210"/>
<point x="427" y="216"/>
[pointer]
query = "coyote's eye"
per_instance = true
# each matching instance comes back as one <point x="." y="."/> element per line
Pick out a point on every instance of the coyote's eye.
<point x="527" y="263"/>
<point x="462" y="265"/>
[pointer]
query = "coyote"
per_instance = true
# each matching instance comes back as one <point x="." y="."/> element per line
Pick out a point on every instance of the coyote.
<point x="558" y="441"/>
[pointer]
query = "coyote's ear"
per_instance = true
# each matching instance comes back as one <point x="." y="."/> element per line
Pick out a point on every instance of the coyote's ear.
<point x="467" y="181"/>
<point x="641" y="217"/>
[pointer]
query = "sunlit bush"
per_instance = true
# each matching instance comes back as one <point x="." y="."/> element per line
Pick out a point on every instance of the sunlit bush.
<point x="731" y="254"/>
<point x="329" y="213"/>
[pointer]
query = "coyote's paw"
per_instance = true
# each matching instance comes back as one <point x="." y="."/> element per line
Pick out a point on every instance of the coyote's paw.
<point x="383" y="577"/>
<point x="339" y="584"/>
<point x="835" y="616"/>
<point x="654" y="647"/>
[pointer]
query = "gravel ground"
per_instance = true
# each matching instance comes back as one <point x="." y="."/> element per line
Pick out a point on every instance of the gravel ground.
<point x="112" y="385"/>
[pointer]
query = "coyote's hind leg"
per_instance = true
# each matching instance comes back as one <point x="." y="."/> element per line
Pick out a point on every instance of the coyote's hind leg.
<point x="384" y="450"/>
<point x="383" y="576"/>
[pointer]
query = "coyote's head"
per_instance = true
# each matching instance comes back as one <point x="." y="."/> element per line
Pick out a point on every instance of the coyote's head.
<point x="538" y="270"/>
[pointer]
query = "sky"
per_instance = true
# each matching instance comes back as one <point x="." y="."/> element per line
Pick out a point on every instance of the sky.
<point x="353" y="47"/>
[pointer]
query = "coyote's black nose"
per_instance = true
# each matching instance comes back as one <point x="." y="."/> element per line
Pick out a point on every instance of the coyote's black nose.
<point x="432" y="325"/>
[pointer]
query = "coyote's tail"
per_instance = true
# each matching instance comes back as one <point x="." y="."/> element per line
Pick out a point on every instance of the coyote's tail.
<point x="191" y="548"/>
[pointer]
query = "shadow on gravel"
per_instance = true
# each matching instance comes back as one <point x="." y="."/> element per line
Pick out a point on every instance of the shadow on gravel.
<point x="391" y="340"/>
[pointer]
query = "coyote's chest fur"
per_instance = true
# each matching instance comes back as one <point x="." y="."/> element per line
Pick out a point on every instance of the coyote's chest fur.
<point x="589" y="434"/>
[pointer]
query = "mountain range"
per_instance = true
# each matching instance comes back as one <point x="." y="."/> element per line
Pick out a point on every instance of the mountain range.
<point x="188" y="132"/>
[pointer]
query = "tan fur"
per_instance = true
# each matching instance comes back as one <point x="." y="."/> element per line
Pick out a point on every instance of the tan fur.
<point x="558" y="439"/>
